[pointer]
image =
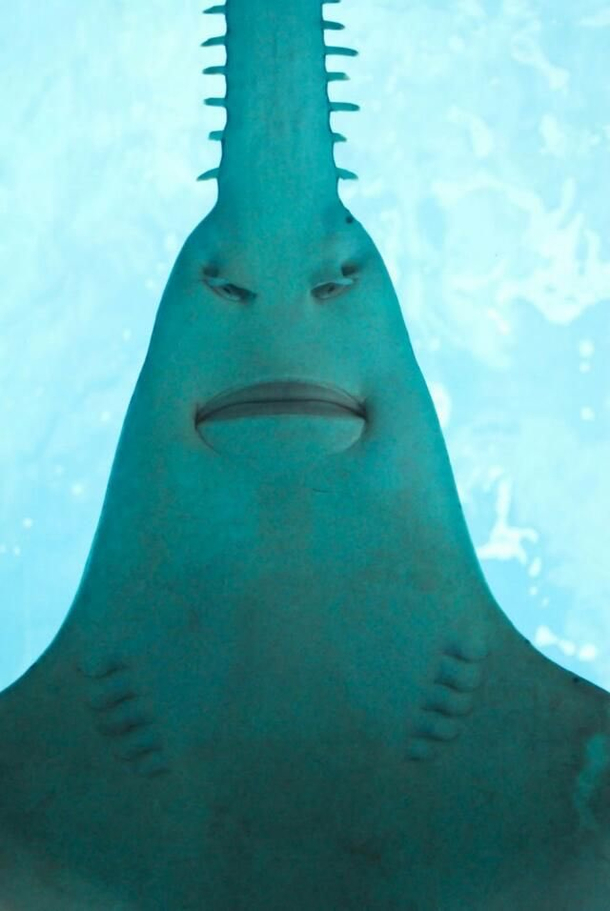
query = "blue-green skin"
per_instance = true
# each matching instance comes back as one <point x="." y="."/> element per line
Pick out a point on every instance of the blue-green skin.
<point x="283" y="682"/>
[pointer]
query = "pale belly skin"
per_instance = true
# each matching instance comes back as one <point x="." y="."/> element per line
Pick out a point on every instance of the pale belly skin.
<point x="319" y="707"/>
<point x="252" y="808"/>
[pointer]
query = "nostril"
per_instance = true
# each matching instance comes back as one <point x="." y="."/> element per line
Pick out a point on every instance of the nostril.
<point x="324" y="291"/>
<point x="332" y="289"/>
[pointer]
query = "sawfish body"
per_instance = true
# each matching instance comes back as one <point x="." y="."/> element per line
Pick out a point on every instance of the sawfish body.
<point x="283" y="681"/>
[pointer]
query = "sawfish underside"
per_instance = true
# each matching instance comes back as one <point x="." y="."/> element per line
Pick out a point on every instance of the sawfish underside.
<point x="283" y="682"/>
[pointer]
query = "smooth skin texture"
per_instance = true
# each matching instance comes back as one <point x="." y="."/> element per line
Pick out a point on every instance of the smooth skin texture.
<point x="283" y="681"/>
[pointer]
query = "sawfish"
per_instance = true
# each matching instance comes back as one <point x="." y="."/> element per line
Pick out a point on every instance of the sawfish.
<point x="283" y="681"/>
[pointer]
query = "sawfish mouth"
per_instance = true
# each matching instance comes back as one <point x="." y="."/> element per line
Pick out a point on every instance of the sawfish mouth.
<point x="285" y="397"/>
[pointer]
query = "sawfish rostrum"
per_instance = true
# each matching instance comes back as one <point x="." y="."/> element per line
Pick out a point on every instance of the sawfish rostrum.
<point x="283" y="682"/>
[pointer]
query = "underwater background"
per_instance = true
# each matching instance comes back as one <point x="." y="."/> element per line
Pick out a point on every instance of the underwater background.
<point x="483" y="152"/>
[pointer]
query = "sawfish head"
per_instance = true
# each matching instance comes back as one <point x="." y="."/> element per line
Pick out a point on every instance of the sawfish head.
<point x="282" y="348"/>
<point x="280" y="421"/>
<point x="280" y="424"/>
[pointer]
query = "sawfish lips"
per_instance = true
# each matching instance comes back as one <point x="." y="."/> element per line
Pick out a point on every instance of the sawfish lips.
<point x="282" y="397"/>
<point x="279" y="418"/>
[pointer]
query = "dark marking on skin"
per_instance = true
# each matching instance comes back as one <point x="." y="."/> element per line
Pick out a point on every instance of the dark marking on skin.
<point x="194" y="620"/>
<point x="366" y="850"/>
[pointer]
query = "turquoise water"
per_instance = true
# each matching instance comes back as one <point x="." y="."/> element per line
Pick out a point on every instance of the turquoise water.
<point x="482" y="149"/>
